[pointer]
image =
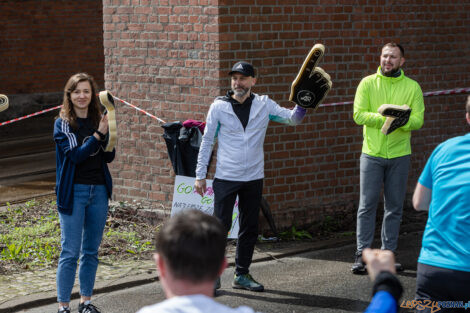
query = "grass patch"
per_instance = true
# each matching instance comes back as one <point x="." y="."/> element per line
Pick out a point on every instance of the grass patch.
<point x="26" y="241"/>
<point x="130" y="241"/>
<point x="295" y="234"/>
<point x="30" y="236"/>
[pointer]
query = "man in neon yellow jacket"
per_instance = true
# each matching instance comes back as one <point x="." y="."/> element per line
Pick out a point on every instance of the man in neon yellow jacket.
<point x="385" y="159"/>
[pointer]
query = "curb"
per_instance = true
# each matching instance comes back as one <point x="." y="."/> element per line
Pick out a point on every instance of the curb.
<point x="45" y="298"/>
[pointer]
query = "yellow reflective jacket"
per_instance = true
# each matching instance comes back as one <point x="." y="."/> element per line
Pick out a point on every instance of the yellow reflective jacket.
<point x="375" y="90"/>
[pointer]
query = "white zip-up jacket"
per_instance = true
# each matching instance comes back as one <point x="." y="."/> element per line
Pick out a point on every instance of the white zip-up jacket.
<point x="240" y="154"/>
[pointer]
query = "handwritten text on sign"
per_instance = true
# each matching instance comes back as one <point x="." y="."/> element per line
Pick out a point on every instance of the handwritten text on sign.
<point x="185" y="197"/>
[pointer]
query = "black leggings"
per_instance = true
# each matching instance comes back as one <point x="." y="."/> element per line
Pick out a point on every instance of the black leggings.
<point x="441" y="284"/>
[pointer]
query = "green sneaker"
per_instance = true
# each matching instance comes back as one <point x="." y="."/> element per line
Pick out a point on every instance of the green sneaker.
<point x="246" y="282"/>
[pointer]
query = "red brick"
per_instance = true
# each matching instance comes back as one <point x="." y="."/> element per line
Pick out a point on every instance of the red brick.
<point x="190" y="52"/>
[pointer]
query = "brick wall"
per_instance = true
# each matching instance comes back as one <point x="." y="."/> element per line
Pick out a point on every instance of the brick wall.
<point x="171" y="58"/>
<point x="316" y="165"/>
<point x="162" y="56"/>
<point x="44" y="42"/>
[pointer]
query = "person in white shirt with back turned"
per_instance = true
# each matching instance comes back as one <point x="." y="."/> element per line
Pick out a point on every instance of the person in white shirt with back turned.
<point x="190" y="255"/>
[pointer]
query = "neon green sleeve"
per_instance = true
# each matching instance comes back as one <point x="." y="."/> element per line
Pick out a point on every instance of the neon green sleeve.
<point x="363" y="113"/>
<point x="417" y="110"/>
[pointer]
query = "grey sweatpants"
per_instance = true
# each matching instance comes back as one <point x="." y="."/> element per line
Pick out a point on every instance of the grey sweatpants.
<point x="392" y="174"/>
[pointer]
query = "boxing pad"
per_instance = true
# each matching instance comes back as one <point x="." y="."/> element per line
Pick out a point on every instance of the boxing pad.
<point x="397" y="116"/>
<point x="107" y="100"/>
<point x="3" y="103"/>
<point x="312" y="83"/>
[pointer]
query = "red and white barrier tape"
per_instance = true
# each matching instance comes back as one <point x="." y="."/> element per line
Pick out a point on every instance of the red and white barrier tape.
<point x="335" y="103"/>
<point x="139" y="109"/>
<point x="59" y="106"/>
<point x="426" y="94"/>
<point x="29" y="115"/>
<point x="446" y="92"/>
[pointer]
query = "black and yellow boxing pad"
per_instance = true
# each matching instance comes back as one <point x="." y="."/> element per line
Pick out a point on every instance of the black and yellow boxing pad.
<point x="397" y="116"/>
<point x="312" y="83"/>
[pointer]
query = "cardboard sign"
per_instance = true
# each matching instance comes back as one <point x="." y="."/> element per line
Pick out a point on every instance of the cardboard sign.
<point x="185" y="197"/>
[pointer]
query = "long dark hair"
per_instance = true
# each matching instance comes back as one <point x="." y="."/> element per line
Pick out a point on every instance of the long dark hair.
<point x="67" y="112"/>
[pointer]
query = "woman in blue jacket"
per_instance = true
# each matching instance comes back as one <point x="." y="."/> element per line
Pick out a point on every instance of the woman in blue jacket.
<point x="83" y="187"/>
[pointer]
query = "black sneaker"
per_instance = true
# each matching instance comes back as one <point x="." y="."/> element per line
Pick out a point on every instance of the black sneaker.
<point x="64" y="310"/>
<point x="87" y="308"/>
<point x="399" y="267"/>
<point x="359" y="267"/>
<point x="217" y="285"/>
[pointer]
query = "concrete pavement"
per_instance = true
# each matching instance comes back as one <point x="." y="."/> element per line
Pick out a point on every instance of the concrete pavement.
<point x="313" y="281"/>
<point x="326" y="263"/>
<point x="31" y="289"/>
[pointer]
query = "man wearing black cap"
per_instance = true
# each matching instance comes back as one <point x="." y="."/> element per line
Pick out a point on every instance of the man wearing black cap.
<point x="239" y="120"/>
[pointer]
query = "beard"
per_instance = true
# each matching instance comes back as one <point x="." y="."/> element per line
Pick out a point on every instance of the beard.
<point x="390" y="72"/>
<point x="240" y="92"/>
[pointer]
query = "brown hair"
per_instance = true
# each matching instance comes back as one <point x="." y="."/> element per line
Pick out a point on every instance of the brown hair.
<point x="192" y="244"/>
<point x="395" y="45"/>
<point x="67" y="112"/>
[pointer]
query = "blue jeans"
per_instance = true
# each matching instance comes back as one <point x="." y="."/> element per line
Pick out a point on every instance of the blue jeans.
<point x="392" y="174"/>
<point x="81" y="235"/>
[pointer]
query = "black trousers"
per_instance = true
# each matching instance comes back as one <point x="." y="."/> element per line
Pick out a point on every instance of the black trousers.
<point x="249" y="199"/>
<point x="442" y="284"/>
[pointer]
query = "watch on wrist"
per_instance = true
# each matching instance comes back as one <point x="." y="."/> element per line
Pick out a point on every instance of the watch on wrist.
<point x="102" y="136"/>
